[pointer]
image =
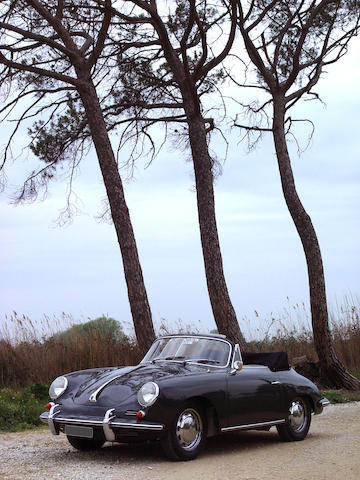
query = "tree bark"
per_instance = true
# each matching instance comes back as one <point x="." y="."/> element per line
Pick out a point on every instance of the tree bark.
<point x="333" y="372"/>
<point x="137" y="295"/>
<point x="223" y="310"/>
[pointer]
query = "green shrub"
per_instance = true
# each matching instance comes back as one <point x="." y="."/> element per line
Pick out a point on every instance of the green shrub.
<point x="39" y="390"/>
<point x="106" y="328"/>
<point x="20" y="409"/>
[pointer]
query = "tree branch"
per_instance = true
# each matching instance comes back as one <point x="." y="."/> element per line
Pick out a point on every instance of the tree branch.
<point x="39" y="71"/>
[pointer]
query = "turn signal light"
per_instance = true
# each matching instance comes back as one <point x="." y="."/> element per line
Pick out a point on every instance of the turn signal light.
<point x="140" y="414"/>
<point x="48" y="406"/>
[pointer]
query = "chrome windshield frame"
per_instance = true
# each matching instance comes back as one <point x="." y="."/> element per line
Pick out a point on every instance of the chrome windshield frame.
<point x="205" y="337"/>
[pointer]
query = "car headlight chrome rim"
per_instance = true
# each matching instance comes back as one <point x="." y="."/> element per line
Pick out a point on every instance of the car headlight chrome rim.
<point x="58" y="387"/>
<point x="148" y="394"/>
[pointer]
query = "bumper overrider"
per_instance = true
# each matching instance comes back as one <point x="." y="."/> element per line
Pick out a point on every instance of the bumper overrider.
<point x="109" y="423"/>
<point x="320" y="405"/>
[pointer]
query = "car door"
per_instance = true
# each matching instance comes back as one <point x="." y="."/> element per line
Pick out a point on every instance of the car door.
<point x="254" y="395"/>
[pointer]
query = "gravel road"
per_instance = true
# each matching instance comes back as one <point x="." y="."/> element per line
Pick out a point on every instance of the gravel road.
<point x="331" y="451"/>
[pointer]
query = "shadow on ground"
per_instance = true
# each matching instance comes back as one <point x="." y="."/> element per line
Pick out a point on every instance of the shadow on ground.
<point x="151" y="452"/>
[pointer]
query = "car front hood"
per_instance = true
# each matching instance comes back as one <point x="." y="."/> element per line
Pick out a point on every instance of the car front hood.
<point x="117" y="385"/>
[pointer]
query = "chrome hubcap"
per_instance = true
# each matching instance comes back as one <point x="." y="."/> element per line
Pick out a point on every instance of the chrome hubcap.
<point x="189" y="429"/>
<point x="297" y="415"/>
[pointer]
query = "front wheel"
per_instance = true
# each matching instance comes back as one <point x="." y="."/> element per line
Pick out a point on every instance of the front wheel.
<point x="298" y="424"/>
<point x="186" y="435"/>
<point x="85" y="444"/>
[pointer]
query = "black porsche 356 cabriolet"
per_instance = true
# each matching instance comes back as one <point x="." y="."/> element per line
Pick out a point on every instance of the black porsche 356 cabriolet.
<point x="186" y="388"/>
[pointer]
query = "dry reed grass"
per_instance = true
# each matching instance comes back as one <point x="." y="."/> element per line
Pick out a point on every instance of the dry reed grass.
<point x="27" y="357"/>
<point x="35" y="352"/>
<point x="291" y="331"/>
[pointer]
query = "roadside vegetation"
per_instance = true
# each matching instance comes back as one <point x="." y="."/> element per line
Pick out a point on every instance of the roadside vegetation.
<point x="20" y="407"/>
<point x="291" y="331"/>
<point x="341" y="396"/>
<point x="27" y="357"/>
<point x="31" y="357"/>
<point x="40" y="351"/>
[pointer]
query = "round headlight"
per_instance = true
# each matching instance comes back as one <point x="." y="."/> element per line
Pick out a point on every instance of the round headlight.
<point x="58" y="387"/>
<point x="148" y="394"/>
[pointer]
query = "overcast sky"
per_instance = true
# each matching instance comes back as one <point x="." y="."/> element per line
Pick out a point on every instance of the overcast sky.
<point x="77" y="269"/>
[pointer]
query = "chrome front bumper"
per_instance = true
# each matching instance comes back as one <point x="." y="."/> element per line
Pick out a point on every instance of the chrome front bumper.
<point x="108" y="423"/>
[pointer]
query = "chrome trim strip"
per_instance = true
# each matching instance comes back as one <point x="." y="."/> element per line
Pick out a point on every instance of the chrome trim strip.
<point x="79" y="421"/>
<point x="252" y="425"/>
<point x="51" y="416"/>
<point x="256" y="366"/>
<point x="94" y="395"/>
<point x="124" y="424"/>
<point x="108" y="432"/>
<point x="139" y="426"/>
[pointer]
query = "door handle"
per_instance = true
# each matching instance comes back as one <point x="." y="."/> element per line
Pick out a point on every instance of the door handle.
<point x="275" y="383"/>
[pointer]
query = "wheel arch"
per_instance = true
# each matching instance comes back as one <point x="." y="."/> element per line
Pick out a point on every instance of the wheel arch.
<point x="212" y="419"/>
<point x="303" y="392"/>
<point x="310" y="400"/>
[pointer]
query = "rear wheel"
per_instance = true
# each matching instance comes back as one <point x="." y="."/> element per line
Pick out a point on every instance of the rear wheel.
<point x="86" y="444"/>
<point x="187" y="432"/>
<point x="298" y="423"/>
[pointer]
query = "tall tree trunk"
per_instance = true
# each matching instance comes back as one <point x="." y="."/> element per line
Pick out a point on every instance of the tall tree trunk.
<point x="223" y="310"/>
<point x="138" y="299"/>
<point x="333" y="372"/>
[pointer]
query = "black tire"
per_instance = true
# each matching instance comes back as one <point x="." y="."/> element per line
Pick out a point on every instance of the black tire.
<point x="85" y="444"/>
<point x="187" y="433"/>
<point x="298" y="424"/>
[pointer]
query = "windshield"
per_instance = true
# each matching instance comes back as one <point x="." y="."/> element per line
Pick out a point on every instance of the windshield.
<point x="208" y="351"/>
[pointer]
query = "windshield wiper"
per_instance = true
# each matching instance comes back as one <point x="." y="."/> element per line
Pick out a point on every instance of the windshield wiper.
<point x="167" y="358"/>
<point x="205" y="361"/>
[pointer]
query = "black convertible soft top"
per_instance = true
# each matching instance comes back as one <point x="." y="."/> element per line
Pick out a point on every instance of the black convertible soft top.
<point x="276" y="361"/>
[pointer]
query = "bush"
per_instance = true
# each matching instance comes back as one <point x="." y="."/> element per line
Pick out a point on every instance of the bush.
<point x="20" y="408"/>
<point x="107" y="328"/>
<point x="38" y="390"/>
<point x="97" y="343"/>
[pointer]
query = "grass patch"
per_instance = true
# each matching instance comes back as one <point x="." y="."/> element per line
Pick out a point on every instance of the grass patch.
<point x="341" y="396"/>
<point x="20" y="408"/>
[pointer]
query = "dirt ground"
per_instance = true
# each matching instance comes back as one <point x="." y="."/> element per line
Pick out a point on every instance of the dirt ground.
<point x="331" y="451"/>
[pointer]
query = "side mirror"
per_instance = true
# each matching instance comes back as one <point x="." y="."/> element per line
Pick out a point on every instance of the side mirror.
<point x="237" y="366"/>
